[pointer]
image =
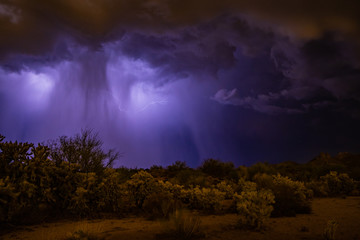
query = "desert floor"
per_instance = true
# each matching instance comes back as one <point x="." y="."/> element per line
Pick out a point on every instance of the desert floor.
<point x="308" y="226"/>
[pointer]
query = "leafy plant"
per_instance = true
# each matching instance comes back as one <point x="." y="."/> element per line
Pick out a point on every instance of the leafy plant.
<point x="208" y="199"/>
<point x="255" y="206"/>
<point x="218" y="169"/>
<point x="338" y="183"/>
<point x="226" y="188"/>
<point x="141" y="185"/>
<point x="291" y="197"/>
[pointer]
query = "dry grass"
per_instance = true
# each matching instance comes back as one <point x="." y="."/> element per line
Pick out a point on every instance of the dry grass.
<point x="182" y="225"/>
<point x="330" y="230"/>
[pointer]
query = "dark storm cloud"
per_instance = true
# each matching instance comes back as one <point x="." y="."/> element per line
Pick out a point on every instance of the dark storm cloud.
<point x="317" y="73"/>
<point x="146" y="74"/>
<point x="41" y="23"/>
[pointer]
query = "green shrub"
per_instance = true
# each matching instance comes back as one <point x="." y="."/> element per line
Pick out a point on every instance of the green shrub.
<point x="174" y="189"/>
<point x="338" y="184"/>
<point x="140" y="186"/>
<point x="8" y="199"/>
<point x="261" y="168"/>
<point x="84" y="202"/>
<point x="112" y="195"/>
<point x="291" y="197"/>
<point x="263" y="180"/>
<point x="218" y="169"/>
<point x="160" y="205"/>
<point x="226" y="188"/>
<point x="255" y="206"/>
<point x="207" y="199"/>
<point x="319" y="188"/>
<point x="244" y="185"/>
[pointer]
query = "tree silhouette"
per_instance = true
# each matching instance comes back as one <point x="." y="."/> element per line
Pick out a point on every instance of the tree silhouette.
<point x="84" y="149"/>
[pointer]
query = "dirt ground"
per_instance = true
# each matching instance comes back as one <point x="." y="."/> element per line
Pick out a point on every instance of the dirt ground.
<point x="308" y="226"/>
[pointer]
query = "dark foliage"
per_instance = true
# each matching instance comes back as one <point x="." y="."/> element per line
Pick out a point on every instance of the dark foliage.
<point x="73" y="176"/>
<point x="218" y="169"/>
<point x="84" y="149"/>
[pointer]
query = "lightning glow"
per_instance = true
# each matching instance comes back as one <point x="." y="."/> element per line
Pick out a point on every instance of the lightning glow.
<point x="131" y="85"/>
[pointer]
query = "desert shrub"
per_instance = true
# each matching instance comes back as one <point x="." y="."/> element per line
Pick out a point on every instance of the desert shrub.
<point x="164" y="199"/>
<point x="160" y="205"/>
<point x="261" y="168"/>
<point x="242" y="172"/>
<point x="291" y="197"/>
<point x="338" y="184"/>
<point x="112" y="196"/>
<point x="176" y="167"/>
<point x="254" y="205"/>
<point x="207" y="199"/>
<point x="189" y="177"/>
<point x="27" y="182"/>
<point x="84" y="149"/>
<point x="263" y="180"/>
<point x="330" y="230"/>
<point x="226" y="188"/>
<point x="157" y="172"/>
<point x="218" y="169"/>
<point x="319" y="188"/>
<point x="244" y="185"/>
<point x="141" y="185"/>
<point x="182" y="225"/>
<point x="8" y="197"/>
<point x="84" y="200"/>
<point x="174" y="189"/>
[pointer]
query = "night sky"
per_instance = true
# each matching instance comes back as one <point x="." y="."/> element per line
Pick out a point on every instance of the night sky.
<point x="184" y="80"/>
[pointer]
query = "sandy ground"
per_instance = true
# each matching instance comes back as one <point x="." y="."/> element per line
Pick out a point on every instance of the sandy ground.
<point x="308" y="226"/>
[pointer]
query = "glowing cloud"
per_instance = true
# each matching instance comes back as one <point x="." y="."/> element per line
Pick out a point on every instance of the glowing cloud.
<point x="131" y="85"/>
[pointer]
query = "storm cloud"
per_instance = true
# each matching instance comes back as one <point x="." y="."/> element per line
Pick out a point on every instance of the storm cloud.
<point x="180" y="80"/>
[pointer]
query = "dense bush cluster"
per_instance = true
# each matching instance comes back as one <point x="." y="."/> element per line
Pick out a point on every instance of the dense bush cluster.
<point x="74" y="176"/>
<point x="334" y="184"/>
<point x="291" y="197"/>
<point x="254" y="204"/>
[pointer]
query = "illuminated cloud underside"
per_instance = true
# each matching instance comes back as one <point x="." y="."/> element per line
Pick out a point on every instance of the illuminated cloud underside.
<point x="181" y="80"/>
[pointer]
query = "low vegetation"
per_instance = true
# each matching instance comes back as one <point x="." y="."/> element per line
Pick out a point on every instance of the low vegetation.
<point x="74" y="177"/>
<point x="330" y="230"/>
<point x="255" y="205"/>
<point x="182" y="225"/>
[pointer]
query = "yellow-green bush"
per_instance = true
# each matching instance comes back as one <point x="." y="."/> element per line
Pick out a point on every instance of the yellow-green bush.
<point x="208" y="199"/>
<point x="160" y="205"/>
<point x="291" y="197"/>
<point x="112" y="195"/>
<point x="319" y="188"/>
<point x="83" y="201"/>
<point x="338" y="183"/>
<point x="254" y="205"/>
<point x="226" y="188"/>
<point x="141" y="185"/>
